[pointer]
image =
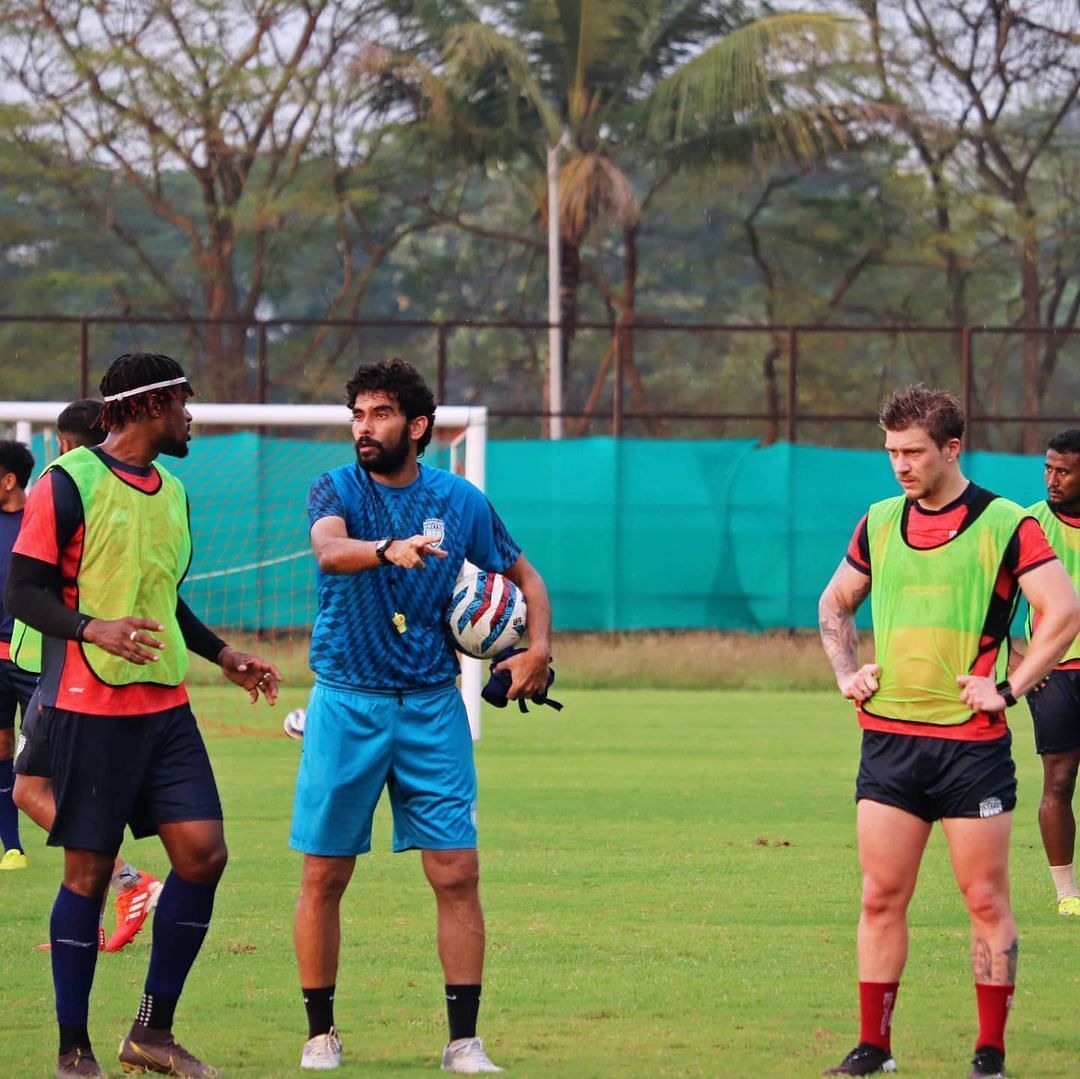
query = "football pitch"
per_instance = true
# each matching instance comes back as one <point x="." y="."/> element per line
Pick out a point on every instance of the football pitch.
<point x="671" y="889"/>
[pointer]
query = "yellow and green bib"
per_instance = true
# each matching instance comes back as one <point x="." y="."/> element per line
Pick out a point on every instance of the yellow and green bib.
<point x="136" y="550"/>
<point x="929" y="609"/>
<point x="26" y="647"/>
<point x="1066" y="543"/>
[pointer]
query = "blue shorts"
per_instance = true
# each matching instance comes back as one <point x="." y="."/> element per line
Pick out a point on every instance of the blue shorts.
<point x="416" y="744"/>
<point x="16" y="688"/>
<point x="112" y="771"/>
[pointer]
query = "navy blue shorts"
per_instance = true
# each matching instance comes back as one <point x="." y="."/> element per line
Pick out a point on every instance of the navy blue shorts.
<point x="935" y="778"/>
<point x="112" y="771"/>
<point x="16" y="688"/>
<point x="32" y="746"/>
<point x="1055" y="712"/>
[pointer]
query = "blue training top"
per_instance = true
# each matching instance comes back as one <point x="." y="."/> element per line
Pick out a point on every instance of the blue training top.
<point x="9" y="530"/>
<point x="354" y="641"/>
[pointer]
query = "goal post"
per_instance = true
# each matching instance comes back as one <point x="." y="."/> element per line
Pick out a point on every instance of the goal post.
<point x="250" y="561"/>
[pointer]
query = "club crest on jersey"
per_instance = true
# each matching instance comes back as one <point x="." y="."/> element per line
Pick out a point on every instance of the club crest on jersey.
<point x="434" y="530"/>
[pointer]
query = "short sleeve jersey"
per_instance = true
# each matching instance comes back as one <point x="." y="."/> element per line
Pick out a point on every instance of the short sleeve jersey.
<point x="924" y="529"/>
<point x="1068" y="521"/>
<point x="53" y="532"/>
<point x="356" y="640"/>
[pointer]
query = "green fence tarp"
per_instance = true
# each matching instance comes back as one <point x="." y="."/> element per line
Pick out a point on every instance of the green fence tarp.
<point x="629" y="534"/>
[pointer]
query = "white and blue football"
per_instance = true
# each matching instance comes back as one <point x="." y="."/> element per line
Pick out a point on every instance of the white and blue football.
<point x="294" y="723"/>
<point x="486" y="613"/>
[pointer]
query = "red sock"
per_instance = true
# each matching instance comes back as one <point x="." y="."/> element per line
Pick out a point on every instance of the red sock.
<point x="994" y="1002"/>
<point x="876" y="1003"/>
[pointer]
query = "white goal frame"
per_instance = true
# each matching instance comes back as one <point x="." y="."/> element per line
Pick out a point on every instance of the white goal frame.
<point x="470" y="420"/>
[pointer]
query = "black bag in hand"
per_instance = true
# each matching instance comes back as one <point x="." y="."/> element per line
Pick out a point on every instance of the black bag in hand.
<point x="499" y="685"/>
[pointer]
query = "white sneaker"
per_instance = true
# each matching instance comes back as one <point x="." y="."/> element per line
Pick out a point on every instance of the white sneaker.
<point x="322" y="1052"/>
<point x="467" y="1056"/>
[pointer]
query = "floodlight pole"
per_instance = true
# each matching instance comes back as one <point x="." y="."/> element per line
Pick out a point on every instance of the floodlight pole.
<point x="555" y="373"/>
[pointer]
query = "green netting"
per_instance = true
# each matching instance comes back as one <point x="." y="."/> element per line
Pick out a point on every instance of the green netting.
<point x="629" y="534"/>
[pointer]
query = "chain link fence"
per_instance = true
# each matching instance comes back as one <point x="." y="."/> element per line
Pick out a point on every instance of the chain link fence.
<point x="819" y="385"/>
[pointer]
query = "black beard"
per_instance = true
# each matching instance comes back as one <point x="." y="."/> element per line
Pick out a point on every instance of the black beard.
<point x="1070" y="508"/>
<point x="388" y="460"/>
<point x="174" y="447"/>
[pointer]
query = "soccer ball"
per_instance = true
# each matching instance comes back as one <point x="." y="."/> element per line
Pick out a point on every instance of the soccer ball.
<point x="486" y="613"/>
<point x="294" y="723"/>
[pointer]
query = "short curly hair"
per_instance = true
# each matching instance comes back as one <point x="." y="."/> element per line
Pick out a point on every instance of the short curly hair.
<point x="15" y="457"/>
<point x="129" y="372"/>
<point x="397" y="378"/>
<point x="937" y="412"/>
<point x="83" y="420"/>
<point x="1067" y="441"/>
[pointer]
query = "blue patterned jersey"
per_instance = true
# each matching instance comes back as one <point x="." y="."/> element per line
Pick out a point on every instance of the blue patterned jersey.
<point x="355" y="640"/>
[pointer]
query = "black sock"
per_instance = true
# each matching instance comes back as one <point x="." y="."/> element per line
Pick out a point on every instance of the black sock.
<point x="320" y="1009"/>
<point x="74" y="1035"/>
<point x="462" y="1007"/>
<point x="156" y="1011"/>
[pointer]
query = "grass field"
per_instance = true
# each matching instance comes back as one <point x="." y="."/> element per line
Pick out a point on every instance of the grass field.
<point x="671" y="889"/>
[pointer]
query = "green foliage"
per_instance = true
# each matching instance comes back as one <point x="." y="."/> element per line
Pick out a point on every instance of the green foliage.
<point x="722" y="162"/>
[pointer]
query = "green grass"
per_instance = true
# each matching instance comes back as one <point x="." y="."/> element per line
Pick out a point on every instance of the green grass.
<point x="671" y="889"/>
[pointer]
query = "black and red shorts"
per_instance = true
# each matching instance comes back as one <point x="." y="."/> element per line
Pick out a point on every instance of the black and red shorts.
<point x="1055" y="712"/>
<point x="935" y="778"/>
<point x="109" y="772"/>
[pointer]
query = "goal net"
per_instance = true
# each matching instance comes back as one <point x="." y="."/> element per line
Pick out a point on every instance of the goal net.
<point x="247" y="475"/>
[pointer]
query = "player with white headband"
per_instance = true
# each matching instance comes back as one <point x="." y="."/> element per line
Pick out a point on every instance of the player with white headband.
<point x="104" y="546"/>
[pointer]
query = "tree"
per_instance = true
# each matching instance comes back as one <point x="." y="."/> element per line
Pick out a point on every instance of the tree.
<point x="238" y="125"/>
<point x="988" y="91"/>
<point x="636" y="92"/>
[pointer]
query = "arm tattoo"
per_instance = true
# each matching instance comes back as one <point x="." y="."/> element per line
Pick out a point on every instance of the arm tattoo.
<point x="839" y="637"/>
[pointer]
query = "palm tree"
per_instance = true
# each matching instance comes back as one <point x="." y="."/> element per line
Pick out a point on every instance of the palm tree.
<point x="636" y="90"/>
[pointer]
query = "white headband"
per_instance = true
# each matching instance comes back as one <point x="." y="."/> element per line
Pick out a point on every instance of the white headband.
<point x="144" y="389"/>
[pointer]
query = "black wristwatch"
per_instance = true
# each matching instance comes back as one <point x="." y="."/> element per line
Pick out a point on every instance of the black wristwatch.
<point x="380" y="550"/>
<point x="1005" y="689"/>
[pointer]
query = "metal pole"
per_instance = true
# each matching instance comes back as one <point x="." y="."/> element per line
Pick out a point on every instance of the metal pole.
<point x="555" y="392"/>
<point x="84" y="358"/>
<point x="262" y="372"/>
<point x="792" y="373"/>
<point x="440" y="362"/>
<point x="617" y="385"/>
<point x="967" y="390"/>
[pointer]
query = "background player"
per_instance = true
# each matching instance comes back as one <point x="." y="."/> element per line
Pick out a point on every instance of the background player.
<point x="943" y="563"/>
<point x="16" y="685"/>
<point x="106" y="533"/>
<point x="80" y="424"/>
<point x="390" y="536"/>
<point x="1055" y="704"/>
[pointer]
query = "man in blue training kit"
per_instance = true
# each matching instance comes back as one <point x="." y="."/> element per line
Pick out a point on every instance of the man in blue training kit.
<point x="390" y="536"/>
<point x="105" y="534"/>
<point x="16" y="686"/>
